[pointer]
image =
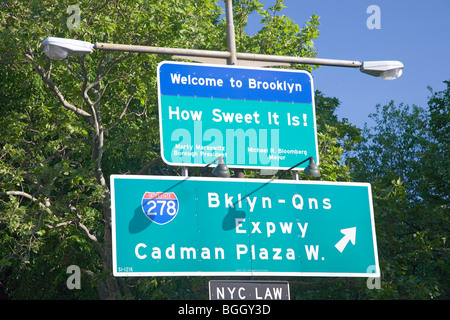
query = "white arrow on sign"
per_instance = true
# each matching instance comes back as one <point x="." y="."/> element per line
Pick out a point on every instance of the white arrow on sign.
<point x="349" y="235"/>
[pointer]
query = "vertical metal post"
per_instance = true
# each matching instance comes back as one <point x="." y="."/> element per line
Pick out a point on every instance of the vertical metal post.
<point x="231" y="40"/>
<point x="184" y="171"/>
<point x="232" y="60"/>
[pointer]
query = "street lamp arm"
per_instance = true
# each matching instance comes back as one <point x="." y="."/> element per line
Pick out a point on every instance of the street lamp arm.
<point x="161" y="50"/>
<point x="299" y="60"/>
<point x="226" y="55"/>
<point x="58" y="48"/>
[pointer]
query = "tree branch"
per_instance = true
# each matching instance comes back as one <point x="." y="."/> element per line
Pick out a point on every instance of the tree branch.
<point x="94" y="239"/>
<point x="55" y="89"/>
<point x="149" y="164"/>
<point x="106" y="71"/>
<point x="84" y="94"/>
<point x="127" y="103"/>
<point x="45" y="205"/>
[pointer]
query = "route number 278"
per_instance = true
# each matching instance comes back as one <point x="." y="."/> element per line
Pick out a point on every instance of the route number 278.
<point x="161" y="207"/>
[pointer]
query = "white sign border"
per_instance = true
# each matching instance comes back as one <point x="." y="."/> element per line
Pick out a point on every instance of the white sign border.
<point x="113" y="177"/>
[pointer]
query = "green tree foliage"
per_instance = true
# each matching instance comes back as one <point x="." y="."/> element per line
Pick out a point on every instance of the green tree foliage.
<point x="336" y="138"/>
<point x="405" y="157"/>
<point x="65" y="126"/>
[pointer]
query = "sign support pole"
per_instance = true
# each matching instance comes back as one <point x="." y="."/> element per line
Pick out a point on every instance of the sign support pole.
<point x="231" y="40"/>
<point x="232" y="60"/>
<point x="231" y="45"/>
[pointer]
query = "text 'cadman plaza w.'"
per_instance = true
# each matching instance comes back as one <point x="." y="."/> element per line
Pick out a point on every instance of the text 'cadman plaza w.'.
<point x="252" y="117"/>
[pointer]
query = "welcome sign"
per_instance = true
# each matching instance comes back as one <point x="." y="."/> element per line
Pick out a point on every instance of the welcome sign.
<point x="253" y="117"/>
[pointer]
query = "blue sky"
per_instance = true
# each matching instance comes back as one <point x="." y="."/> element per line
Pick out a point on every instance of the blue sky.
<point x="417" y="33"/>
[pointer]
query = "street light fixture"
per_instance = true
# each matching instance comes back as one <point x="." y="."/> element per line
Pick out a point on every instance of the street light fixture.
<point x="60" y="49"/>
<point x="221" y="170"/>
<point x="311" y="170"/>
<point x="388" y="70"/>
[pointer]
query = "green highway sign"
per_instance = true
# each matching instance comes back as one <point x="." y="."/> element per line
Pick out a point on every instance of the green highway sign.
<point x="253" y="117"/>
<point x="169" y="226"/>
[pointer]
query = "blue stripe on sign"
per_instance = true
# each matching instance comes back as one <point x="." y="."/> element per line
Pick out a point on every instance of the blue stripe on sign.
<point x="234" y="82"/>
